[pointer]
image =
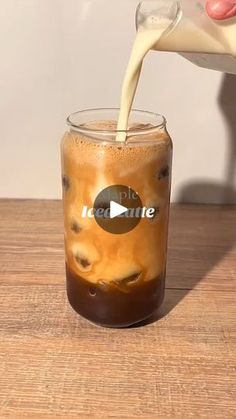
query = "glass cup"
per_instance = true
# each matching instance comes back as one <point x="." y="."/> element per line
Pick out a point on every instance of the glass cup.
<point x="116" y="207"/>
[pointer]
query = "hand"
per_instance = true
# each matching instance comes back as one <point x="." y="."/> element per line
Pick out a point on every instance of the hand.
<point x="221" y="9"/>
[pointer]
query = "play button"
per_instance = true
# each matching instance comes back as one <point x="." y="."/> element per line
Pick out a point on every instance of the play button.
<point x="117" y="209"/>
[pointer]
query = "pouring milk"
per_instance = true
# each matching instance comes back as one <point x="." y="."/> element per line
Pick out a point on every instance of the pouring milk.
<point x="178" y="26"/>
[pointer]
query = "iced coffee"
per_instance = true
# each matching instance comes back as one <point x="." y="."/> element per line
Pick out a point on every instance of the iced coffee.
<point x="116" y="205"/>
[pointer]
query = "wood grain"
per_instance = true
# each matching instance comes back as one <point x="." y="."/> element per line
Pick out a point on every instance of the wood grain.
<point x="54" y="363"/>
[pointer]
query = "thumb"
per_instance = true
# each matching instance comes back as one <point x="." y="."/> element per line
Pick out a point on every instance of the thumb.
<point x="221" y="9"/>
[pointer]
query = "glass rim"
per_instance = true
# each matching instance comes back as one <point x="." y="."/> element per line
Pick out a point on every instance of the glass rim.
<point x="113" y="132"/>
<point x="172" y="25"/>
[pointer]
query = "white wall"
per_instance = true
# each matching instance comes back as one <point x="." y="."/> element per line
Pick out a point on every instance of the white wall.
<point x="58" y="56"/>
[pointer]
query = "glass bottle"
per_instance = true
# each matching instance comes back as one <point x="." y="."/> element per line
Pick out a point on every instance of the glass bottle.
<point x="191" y="32"/>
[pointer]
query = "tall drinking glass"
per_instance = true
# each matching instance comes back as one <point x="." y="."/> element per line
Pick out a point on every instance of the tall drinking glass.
<point x="116" y="205"/>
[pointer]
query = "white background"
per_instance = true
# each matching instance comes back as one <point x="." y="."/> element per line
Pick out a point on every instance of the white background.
<point x="59" y="56"/>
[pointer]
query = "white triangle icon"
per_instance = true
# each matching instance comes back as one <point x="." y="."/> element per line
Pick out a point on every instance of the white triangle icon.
<point x="116" y="209"/>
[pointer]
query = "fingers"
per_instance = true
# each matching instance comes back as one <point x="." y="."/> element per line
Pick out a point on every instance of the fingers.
<point x="221" y="9"/>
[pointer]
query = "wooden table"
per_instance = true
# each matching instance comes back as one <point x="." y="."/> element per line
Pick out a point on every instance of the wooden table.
<point x="54" y="363"/>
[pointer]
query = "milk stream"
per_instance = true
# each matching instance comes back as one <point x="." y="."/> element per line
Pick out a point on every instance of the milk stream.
<point x="188" y="38"/>
<point x="145" y="40"/>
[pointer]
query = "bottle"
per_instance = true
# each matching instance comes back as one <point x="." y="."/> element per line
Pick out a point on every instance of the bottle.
<point x="191" y="32"/>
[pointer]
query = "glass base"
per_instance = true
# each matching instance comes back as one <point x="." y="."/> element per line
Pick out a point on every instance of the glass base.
<point x="111" y="307"/>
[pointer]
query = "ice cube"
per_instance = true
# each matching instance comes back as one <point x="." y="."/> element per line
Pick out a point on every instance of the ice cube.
<point x="85" y="256"/>
<point x="129" y="280"/>
<point x="156" y="213"/>
<point x="164" y="172"/>
<point x="65" y="182"/>
<point x="75" y="227"/>
<point x="82" y="261"/>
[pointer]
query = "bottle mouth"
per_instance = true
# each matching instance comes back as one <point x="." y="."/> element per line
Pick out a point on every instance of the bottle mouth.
<point x="148" y="10"/>
<point x="140" y="122"/>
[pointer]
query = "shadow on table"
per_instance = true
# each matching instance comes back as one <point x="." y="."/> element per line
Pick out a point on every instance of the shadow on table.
<point x="202" y="192"/>
<point x="214" y="193"/>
